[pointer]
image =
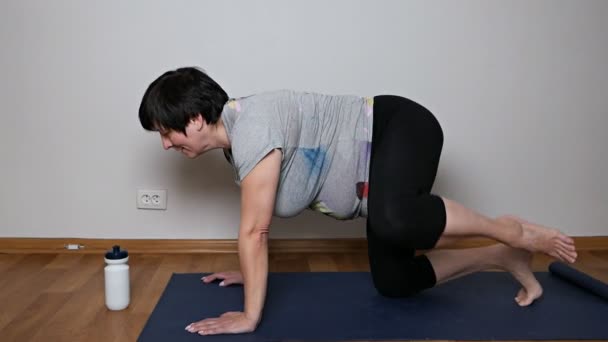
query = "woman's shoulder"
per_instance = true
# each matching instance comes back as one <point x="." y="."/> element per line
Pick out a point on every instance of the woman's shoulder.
<point x="265" y="94"/>
<point x="263" y="103"/>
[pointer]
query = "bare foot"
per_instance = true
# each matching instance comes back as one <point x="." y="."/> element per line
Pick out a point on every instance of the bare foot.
<point x="537" y="238"/>
<point x="517" y="262"/>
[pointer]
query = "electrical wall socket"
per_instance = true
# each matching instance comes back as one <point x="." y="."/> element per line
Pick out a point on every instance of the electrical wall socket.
<point x="152" y="199"/>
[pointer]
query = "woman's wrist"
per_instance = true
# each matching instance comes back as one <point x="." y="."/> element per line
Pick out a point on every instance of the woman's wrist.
<point x="253" y="317"/>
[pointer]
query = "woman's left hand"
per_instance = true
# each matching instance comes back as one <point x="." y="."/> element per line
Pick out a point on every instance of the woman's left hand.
<point x="228" y="323"/>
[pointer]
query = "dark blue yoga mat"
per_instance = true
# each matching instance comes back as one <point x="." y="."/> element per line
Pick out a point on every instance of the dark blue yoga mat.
<point x="578" y="278"/>
<point x="340" y="306"/>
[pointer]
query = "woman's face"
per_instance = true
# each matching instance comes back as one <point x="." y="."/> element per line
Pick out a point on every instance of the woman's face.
<point x="192" y="144"/>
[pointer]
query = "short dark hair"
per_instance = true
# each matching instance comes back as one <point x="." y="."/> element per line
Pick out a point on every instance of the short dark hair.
<point x="178" y="96"/>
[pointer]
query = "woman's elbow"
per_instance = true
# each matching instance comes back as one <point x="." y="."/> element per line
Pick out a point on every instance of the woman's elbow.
<point x="258" y="233"/>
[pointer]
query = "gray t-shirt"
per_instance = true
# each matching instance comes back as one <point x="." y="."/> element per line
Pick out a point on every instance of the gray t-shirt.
<point x="326" y="145"/>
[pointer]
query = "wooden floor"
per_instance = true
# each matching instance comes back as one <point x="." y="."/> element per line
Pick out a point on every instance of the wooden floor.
<point x="60" y="297"/>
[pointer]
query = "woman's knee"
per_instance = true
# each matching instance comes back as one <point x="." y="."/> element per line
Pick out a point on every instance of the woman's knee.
<point x="411" y="223"/>
<point x="392" y="289"/>
<point x="408" y="279"/>
<point x="399" y="222"/>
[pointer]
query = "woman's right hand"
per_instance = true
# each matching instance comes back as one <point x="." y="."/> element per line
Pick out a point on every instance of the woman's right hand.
<point x="228" y="278"/>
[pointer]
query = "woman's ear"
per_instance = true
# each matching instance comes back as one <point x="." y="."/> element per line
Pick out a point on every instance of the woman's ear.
<point x="198" y="122"/>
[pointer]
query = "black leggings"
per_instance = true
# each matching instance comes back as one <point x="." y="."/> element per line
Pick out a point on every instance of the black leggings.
<point x="403" y="216"/>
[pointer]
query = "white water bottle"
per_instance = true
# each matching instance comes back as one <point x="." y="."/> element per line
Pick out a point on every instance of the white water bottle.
<point x="116" y="273"/>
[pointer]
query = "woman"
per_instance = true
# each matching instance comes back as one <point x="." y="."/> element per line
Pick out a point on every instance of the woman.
<point x="347" y="157"/>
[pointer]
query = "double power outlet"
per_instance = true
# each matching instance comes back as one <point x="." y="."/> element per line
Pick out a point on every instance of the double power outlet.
<point x="152" y="199"/>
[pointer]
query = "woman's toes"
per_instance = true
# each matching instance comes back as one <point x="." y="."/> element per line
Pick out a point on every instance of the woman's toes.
<point x="526" y="301"/>
<point x="566" y="239"/>
<point x="557" y="254"/>
<point x="525" y="297"/>
<point x="522" y="298"/>
<point x="571" y="253"/>
<point x="567" y="256"/>
<point x="566" y="246"/>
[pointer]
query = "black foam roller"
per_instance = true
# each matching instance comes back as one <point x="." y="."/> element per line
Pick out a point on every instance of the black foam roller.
<point x="582" y="280"/>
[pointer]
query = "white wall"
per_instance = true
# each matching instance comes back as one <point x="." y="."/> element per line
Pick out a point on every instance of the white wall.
<point x="520" y="88"/>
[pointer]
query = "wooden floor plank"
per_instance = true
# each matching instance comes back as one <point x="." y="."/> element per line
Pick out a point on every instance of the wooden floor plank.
<point x="23" y="271"/>
<point x="8" y="260"/>
<point x="73" y="321"/>
<point x="82" y="268"/>
<point x="28" y="278"/>
<point x="68" y="261"/>
<point x="294" y="262"/>
<point x="16" y="300"/>
<point x="322" y="263"/>
<point x="29" y="321"/>
<point x="224" y="262"/>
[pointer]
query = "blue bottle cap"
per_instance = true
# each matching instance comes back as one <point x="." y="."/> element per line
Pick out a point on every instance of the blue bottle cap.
<point x="116" y="253"/>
